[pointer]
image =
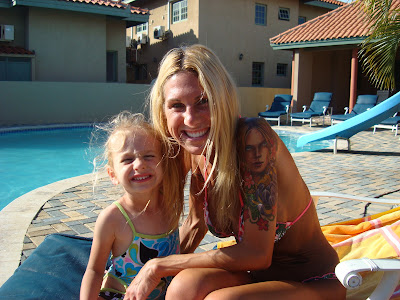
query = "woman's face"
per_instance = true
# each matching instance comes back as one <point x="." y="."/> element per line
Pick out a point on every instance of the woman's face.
<point x="187" y="111"/>
<point x="256" y="152"/>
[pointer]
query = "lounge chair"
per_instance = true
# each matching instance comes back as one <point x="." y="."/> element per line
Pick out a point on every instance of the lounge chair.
<point x="318" y="107"/>
<point x="279" y="108"/>
<point x="363" y="103"/>
<point x="53" y="271"/>
<point x="390" y="123"/>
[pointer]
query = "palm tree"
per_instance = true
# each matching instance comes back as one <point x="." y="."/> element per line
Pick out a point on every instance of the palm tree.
<point x="378" y="51"/>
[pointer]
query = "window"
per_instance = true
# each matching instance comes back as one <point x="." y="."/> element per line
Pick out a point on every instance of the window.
<point x="281" y="70"/>
<point x="15" y="69"/>
<point x="179" y="11"/>
<point x="261" y="14"/>
<point x="257" y="74"/>
<point x="302" y="20"/>
<point x="284" y="14"/>
<point x="111" y="67"/>
<point x="141" y="28"/>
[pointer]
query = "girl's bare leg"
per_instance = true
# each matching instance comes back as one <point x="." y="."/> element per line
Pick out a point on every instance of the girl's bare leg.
<point x="193" y="284"/>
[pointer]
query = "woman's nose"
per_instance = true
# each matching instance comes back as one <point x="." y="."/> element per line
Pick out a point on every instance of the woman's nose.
<point x="190" y="115"/>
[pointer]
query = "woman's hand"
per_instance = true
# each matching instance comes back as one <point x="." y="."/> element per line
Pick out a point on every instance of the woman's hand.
<point x="144" y="283"/>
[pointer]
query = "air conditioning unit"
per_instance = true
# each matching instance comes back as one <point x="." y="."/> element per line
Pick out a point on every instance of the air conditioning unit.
<point x="142" y="38"/>
<point x="159" y="32"/>
<point x="6" y="32"/>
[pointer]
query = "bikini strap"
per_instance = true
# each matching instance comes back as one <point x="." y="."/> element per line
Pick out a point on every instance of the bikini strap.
<point x="304" y="211"/>
<point x="123" y="212"/>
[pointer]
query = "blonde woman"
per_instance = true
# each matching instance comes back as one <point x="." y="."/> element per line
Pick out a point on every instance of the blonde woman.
<point x="244" y="184"/>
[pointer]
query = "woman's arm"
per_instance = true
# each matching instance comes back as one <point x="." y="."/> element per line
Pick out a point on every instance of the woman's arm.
<point x="102" y="243"/>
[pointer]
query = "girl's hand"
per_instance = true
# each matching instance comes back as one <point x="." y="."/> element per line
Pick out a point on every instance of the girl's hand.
<point x="144" y="283"/>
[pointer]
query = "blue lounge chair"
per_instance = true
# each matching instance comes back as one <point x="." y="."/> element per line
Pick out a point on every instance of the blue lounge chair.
<point x="53" y="271"/>
<point x="390" y="123"/>
<point x="280" y="107"/>
<point x="319" y="107"/>
<point x="363" y="103"/>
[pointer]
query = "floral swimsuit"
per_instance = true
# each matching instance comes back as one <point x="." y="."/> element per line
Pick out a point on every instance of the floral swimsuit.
<point x="143" y="248"/>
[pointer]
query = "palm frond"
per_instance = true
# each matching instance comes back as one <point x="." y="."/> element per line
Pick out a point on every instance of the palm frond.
<point x="378" y="51"/>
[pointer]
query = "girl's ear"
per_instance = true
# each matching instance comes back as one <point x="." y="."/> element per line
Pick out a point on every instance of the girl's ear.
<point x="112" y="176"/>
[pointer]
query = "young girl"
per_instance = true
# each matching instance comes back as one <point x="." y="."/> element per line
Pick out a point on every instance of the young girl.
<point x="143" y="223"/>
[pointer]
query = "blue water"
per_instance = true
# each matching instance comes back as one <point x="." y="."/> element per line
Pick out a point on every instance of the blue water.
<point x="32" y="159"/>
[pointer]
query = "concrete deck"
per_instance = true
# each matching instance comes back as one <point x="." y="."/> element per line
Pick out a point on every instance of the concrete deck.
<point x="370" y="169"/>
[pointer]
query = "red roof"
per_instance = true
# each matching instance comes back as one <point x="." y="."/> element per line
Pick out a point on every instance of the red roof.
<point x="345" y="22"/>
<point x="15" y="50"/>
<point x="116" y="4"/>
<point x="340" y="3"/>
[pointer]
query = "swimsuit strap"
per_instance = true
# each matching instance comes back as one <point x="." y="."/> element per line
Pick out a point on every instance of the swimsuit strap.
<point x="304" y="211"/>
<point x="122" y="210"/>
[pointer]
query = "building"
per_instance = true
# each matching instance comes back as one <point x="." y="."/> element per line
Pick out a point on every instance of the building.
<point x="65" y="40"/>
<point x="237" y="30"/>
<point x="325" y="57"/>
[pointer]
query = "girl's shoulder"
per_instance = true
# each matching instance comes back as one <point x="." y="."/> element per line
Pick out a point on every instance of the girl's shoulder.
<point x="110" y="215"/>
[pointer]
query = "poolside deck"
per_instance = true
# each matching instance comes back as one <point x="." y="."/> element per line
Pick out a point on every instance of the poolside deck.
<point x="370" y="169"/>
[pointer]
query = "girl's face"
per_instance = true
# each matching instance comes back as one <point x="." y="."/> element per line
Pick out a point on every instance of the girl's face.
<point x="187" y="111"/>
<point x="256" y="152"/>
<point x="136" y="162"/>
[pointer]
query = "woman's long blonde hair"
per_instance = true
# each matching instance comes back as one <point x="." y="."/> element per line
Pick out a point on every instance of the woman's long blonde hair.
<point x="126" y="123"/>
<point x="224" y="111"/>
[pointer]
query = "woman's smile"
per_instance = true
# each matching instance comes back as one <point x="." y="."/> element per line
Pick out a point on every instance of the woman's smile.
<point x="187" y="111"/>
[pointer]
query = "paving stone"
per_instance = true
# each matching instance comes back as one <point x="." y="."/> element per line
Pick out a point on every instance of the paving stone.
<point x="369" y="169"/>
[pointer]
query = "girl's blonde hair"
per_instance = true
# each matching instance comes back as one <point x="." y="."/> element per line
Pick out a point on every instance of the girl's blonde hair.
<point x="126" y="123"/>
<point x="224" y="111"/>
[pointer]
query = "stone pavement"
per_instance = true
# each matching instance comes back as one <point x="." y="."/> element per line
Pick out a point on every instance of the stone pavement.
<point x="370" y="169"/>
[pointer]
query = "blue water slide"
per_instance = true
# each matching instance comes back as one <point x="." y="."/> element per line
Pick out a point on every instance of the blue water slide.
<point x="350" y="127"/>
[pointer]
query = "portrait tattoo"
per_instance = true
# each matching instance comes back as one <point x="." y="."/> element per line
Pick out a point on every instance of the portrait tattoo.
<point x="257" y="151"/>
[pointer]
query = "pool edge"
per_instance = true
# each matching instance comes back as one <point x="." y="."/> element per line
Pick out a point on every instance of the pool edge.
<point x="16" y="217"/>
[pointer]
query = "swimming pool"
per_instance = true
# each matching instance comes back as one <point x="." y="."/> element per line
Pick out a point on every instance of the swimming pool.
<point x="34" y="158"/>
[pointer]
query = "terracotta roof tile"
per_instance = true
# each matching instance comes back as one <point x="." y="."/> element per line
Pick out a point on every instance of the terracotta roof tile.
<point x="340" y="3"/>
<point x="345" y="22"/>
<point x="15" y="50"/>
<point x="111" y="3"/>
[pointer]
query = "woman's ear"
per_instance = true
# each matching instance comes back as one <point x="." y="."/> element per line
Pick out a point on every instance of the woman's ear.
<point x="112" y="175"/>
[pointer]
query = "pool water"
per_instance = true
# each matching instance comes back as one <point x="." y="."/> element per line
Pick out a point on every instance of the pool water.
<point x="31" y="159"/>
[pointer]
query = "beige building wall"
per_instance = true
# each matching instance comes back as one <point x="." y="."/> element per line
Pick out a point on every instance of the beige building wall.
<point x="67" y="102"/>
<point x="321" y="71"/>
<point x="227" y="27"/>
<point x="75" y="33"/>
<point x="115" y="41"/>
<point x="254" y="100"/>
<point x="16" y="17"/>
<point x="75" y="102"/>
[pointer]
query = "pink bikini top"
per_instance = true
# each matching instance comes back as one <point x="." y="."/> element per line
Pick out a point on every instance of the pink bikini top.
<point x="281" y="227"/>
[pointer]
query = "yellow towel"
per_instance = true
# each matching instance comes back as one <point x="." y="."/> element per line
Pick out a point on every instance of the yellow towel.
<point x="376" y="236"/>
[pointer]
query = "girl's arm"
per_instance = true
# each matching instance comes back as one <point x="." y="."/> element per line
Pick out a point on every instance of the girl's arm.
<point x="102" y="243"/>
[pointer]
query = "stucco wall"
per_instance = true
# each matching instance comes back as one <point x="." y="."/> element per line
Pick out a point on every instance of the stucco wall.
<point x="68" y="46"/>
<point x="253" y="100"/>
<point x="33" y="103"/>
<point x="228" y="27"/>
